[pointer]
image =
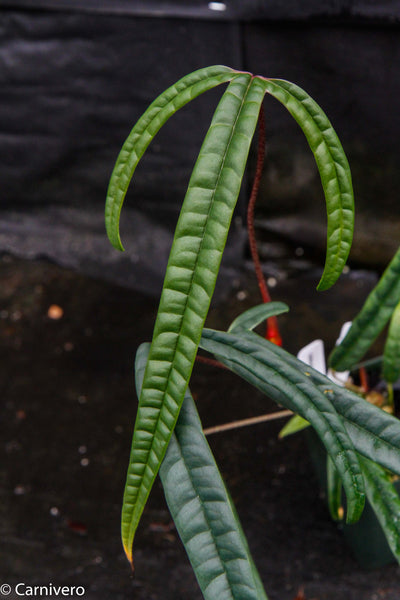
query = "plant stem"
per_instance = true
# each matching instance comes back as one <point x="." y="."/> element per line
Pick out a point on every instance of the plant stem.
<point x="210" y="361"/>
<point x="250" y="421"/>
<point x="272" y="333"/>
<point x="390" y="395"/>
<point x="364" y="379"/>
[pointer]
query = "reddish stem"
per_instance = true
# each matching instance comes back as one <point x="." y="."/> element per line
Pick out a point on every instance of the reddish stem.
<point x="364" y="383"/>
<point x="210" y="361"/>
<point x="272" y="332"/>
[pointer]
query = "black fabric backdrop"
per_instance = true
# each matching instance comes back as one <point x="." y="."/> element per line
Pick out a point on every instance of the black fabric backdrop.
<point x="73" y="82"/>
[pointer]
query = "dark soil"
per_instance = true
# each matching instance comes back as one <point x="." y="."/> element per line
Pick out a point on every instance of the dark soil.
<point x="68" y="407"/>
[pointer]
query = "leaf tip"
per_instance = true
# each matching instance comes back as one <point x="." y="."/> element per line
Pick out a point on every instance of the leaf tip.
<point x="324" y="284"/>
<point x="128" y="554"/>
<point x="354" y="513"/>
<point x="117" y="244"/>
<point x="114" y="238"/>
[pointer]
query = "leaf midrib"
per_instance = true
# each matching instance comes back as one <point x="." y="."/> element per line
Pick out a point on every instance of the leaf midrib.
<point x="150" y="448"/>
<point x="337" y="254"/>
<point x="213" y="537"/>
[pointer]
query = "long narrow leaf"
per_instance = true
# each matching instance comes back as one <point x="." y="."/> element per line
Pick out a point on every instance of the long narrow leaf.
<point x="370" y="321"/>
<point x="249" y="319"/>
<point x="201" y="508"/>
<point x="189" y="283"/>
<point x="391" y="354"/>
<point x="166" y="105"/>
<point x="334" y="172"/>
<point x="334" y="490"/>
<point x="385" y="502"/>
<point x="374" y="433"/>
<point x="259" y="365"/>
<point x="294" y="425"/>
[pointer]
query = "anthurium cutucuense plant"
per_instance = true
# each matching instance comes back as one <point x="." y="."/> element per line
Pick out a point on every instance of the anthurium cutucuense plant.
<point x="168" y="437"/>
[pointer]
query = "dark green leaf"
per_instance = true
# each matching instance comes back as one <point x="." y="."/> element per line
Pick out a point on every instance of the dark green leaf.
<point x="391" y="354"/>
<point x="252" y="317"/>
<point x="334" y="490"/>
<point x="370" y="321"/>
<point x="201" y="508"/>
<point x="257" y="361"/>
<point x="374" y="433"/>
<point x="385" y="502"/>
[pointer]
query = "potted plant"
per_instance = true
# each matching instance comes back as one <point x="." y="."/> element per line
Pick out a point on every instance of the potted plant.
<point x="373" y="538"/>
<point x="168" y="436"/>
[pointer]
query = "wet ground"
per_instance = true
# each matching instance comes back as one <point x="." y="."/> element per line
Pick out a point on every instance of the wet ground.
<point x="67" y="345"/>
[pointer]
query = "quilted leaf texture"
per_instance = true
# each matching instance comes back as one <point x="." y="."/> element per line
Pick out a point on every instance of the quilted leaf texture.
<point x="249" y="319"/>
<point x="158" y="113"/>
<point x="246" y="354"/>
<point x="374" y="433"/>
<point x="385" y="502"/>
<point x="371" y="320"/>
<point x="391" y="354"/>
<point x="201" y="508"/>
<point x="196" y="252"/>
<point x="189" y="283"/>
<point x="334" y="172"/>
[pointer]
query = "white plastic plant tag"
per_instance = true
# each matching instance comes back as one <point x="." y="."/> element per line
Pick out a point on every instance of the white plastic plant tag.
<point x="343" y="332"/>
<point x="340" y="377"/>
<point x="314" y="355"/>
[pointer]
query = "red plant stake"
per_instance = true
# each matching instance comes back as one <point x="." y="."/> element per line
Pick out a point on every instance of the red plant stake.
<point x="272" y="332"/>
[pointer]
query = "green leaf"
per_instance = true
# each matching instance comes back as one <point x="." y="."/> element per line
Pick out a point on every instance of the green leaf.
<point x="166" y="105"/>
<point x="294" y="425"/>
<point x="189" y="283"/>
<point x="374" y="433"/>
<point x="249" y="319"/>
<point x="334" y="490"/>
<point x="384" y="501"/>
<point x="257" y="361"/>
<point x="391" y="354"/>
<point x="370" y="321"/>
<point x="334" y="172"/>
<point x="202" y="509"/>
